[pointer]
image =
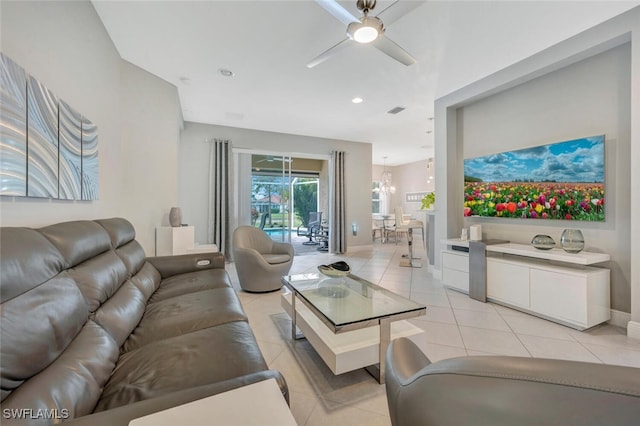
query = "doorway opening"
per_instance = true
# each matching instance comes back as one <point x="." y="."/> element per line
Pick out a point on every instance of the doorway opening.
<point x="287" y="194"/>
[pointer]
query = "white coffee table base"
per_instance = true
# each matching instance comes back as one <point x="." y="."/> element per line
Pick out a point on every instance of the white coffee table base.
<point x="346" y="351"/>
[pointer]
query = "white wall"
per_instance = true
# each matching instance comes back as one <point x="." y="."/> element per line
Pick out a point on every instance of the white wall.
<point x="65" y="46"/>
<point x="585" y="99"/>
<point x="194" y="162"/>
<point x="151" y="123"/>
<point x="410" y="177"/>
<point x="449" y="148"/>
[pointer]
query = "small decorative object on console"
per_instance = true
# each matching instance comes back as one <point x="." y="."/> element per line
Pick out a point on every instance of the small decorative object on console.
<point x="475" y="232"/>
<point x="572" y="240"/>
<point x="175" y="216"/>
<point x="337" y="269"/>
<point x="543" y="242"/>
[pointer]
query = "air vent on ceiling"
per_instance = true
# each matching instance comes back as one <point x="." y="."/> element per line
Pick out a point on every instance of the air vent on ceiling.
<point x="396" y="110"/>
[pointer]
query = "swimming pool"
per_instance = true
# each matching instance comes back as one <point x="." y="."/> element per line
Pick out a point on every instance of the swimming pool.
<point x="277" y="232"/>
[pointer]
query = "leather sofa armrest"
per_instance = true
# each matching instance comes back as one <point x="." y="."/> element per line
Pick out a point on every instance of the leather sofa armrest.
<point x="173" y="265"/>
<point x="121" y="416"/>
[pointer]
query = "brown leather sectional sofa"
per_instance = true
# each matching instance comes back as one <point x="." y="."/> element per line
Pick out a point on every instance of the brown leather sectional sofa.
<point x="93" y="332"/>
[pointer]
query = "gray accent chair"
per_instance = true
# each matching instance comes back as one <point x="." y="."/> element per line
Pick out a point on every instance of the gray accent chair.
<point x="502" y="390"/>
<point x="260" y="261"/>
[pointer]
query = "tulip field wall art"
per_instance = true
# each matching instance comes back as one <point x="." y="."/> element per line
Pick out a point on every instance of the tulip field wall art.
<point x="560" y="181"/>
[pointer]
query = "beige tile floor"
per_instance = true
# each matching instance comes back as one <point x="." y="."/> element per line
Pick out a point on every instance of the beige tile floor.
<point x="454" y="326"/>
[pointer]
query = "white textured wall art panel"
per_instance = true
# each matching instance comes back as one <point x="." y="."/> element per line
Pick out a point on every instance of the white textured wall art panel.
<point x="42" y="141"/>
<point x="47" y="148"/>
<point x="13" y="128"/>
<point x="90" y="182"/>
<point x="70" y="139"/>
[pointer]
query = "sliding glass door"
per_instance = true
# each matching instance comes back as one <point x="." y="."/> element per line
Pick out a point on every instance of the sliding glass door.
<point x="271" y="195"/>
<point x="280" y="193"/>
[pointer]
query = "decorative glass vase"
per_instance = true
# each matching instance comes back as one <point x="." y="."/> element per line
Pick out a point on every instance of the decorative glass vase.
<point x="572" y="240"/>
<point x="175" y="217"/>
<point x="543" y="242"/>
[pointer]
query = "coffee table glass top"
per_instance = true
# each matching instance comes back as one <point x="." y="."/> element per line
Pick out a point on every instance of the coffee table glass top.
<point x="349" y="299"/>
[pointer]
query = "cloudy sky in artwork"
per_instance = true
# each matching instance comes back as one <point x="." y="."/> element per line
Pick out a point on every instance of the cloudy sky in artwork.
<point x="580" y="160"/>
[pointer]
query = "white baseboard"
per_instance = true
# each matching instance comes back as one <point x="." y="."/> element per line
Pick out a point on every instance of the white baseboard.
<point x="351" y="249"/>
<point x="619" y="318"/>
<point x="633" y="330"/>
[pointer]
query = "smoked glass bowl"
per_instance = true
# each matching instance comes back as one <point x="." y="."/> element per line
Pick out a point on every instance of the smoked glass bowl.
<point x="543" y="242"/>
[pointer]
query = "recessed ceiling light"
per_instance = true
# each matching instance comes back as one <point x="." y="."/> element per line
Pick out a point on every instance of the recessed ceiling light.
<point x="357" y="100"/>
<point x="225" y="72"/>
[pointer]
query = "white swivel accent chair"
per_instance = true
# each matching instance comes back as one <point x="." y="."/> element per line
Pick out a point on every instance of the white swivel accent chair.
<point x="260" y="261"/>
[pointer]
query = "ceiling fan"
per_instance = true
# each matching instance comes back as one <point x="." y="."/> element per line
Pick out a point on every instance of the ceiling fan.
<point x="368" y="29"/>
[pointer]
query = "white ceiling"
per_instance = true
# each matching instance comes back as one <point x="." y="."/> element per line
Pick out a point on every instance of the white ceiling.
<point x="268" y="43"/>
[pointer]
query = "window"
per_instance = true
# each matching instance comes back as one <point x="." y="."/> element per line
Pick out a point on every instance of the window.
<point x="375" y="197"/>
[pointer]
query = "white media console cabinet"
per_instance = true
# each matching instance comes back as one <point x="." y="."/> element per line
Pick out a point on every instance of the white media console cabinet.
<point x="552" y="284"/>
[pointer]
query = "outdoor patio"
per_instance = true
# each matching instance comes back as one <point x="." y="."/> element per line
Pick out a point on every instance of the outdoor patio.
<point x="296" y="241"/>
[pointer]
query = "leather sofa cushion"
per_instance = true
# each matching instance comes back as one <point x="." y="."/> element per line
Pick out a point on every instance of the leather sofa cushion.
<point x="274" y="259"/>
<point x="37" y="327"/>
<point x="191" y="282"/>
<point x="120" y="230"/>
<point x="184" y="314"/>
<point x="122" y="235"/>
<point x="133" y="256"/>
<point x="73" y="381"/>
<point x="147" y="280"/>
<point x="99" y="278"/>
<point x="78" y="240"/>
<point x="28" y="264"/>
<point x="193" y="359"/>
<point x="122" y="312"/>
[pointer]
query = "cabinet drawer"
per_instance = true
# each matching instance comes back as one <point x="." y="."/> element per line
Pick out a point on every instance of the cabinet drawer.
<point x="559" y="295"/>
<point x="508" y="282"/>
<point x="459" y="262"/>
<point x="456" y="279"/>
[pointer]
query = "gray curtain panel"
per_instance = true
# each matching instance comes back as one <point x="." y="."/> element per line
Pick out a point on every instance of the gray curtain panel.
<point x="220" y="195"/>
<point x="337" y="226"/>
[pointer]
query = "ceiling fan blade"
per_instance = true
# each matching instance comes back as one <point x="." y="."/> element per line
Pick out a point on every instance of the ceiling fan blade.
<point x="397" y="10"/>
<point x="328" y="53"/>
<point x="338" y="12"/>
<point x="388" y="46"/>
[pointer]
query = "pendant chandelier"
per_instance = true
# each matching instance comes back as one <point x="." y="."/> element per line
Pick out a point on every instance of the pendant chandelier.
<point x="385" y="179"/>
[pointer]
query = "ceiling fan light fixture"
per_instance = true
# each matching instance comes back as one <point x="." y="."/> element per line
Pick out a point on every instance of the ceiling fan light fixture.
<point x="366" y="31"/>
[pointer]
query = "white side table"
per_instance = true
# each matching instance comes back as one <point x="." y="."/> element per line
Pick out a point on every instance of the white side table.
<point x="179" y="240"/>
<point x="203" y="248"/>
<point x="258" y="404"/>
<point x="174" y="240"/>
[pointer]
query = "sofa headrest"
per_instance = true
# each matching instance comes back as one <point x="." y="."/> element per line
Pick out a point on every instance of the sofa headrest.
<point x="120" y="230"/>
<point x="28" y="264"/>
<point x="78" y="240"/>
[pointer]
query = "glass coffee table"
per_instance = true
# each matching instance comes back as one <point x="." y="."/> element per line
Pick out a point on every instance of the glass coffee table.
<point x="348" y="320"/>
